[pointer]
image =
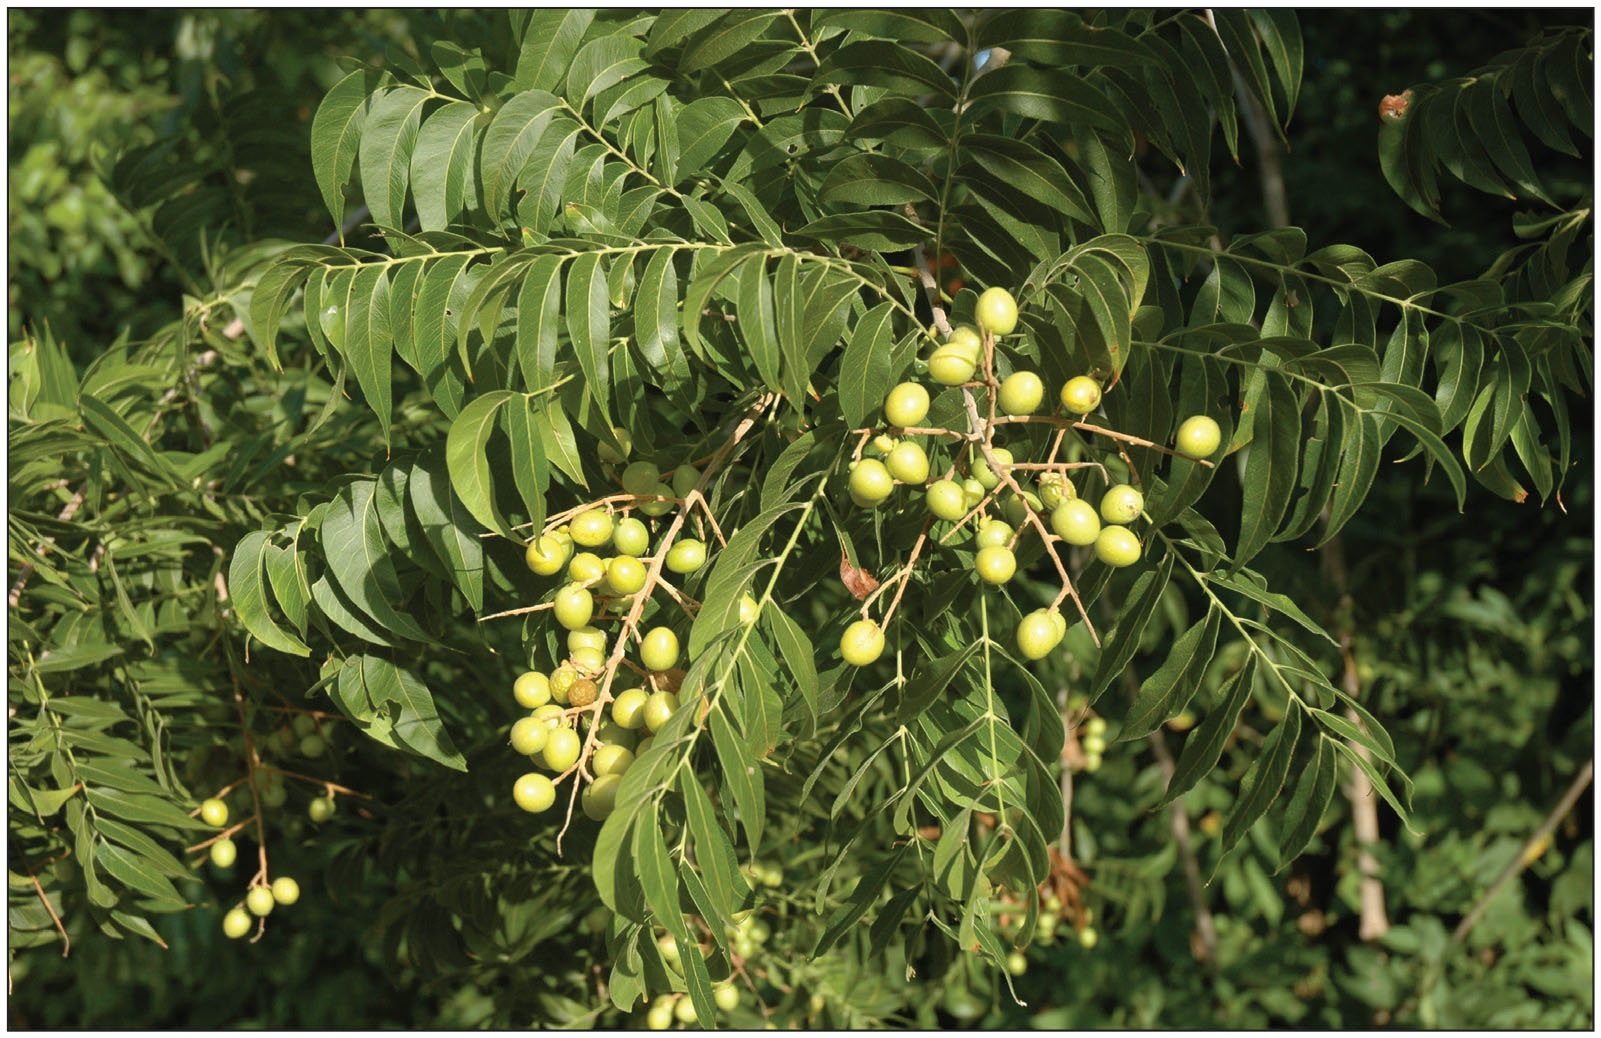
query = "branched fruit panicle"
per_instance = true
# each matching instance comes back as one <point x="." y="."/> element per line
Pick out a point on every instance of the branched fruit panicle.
<point x="1081" y="394"/>
<point x="862" y="643"/>
<point x="1199" y="437"/>
<point x="996" y="311"/>
<point x="906" y="405"/>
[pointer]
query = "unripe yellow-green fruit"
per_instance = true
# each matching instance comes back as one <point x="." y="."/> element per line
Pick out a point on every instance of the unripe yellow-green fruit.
<point x="684" y="479"/>
<point x="1122" y="504"/>
<point x="214" y="812"/>
<point x="609" y="454"/>
<point x="972" y="492"/>
<point x="862" y="643"/>
<point x="574" y="607"/>
<point x="285" y="890"/>
<point x="585" y="567"/>
<point x="561" y="749"/>
<point x="686" y="556"/>
<point x="1198" y="437"/>
<point x="531" y="689"/>
<point x="870" y="481"/>
<point x="592" y="528"/>
<point x="585" y="638"/>
<point x="993" y="533"/>
<point x="908" y="463"/>
<point x="726" y="995"/>
<point x="224" y="853"/>
<point x="996" y="311"/>
<point x="1054" y="489"/>
<point x="907" y="404"/>
<point x="320" y="809"/>
<point x="534" y="792"/>
<point x="625" y="575"/>
<point x="1016" y="963"/>
<point x="640" y="476"/>
<point x="630" y="537"/>
<point x="982" y="472"/>
<point x="946" y="501"/>
<point x="655" y="508"/>
<point x="684" y="1011"/>
<point x="600" y="797"/>
<point x="1076" y="522"/>
<point x="588" y="660"/>
<point x="659" y="1018"/>
<point x="529" y="735"/>
<point x="1088" y="937"/>
<point x="562" y="680"/>
<point x="995" y="565"/>
<point x="236" y="923"/>
<point x="659" y="707"/>
<point x="955" y="362"/>
<point x="628" y="709"/>
<point x="1118" y="547"/>
<point x="749" y="608"/>
<point x="1021" y="393"/>
<point x="658" y="650"/>
<point x="611" y="760"/>
<point x="546" y="555"/>
<point x="1081" y="394"/>
<point x="259" y="901"/>
<point x="1036" y="635"/>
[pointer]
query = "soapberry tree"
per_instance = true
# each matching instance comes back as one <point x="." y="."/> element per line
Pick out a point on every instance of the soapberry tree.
<point x="739" y="474"/>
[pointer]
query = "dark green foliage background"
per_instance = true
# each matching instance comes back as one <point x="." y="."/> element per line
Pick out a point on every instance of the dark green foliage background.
<point x="1473" y="629"/>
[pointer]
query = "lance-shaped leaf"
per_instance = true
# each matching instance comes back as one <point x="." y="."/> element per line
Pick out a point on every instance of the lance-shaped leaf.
<point x="467" y="458"/>
<point x="509" y="142"/>
<point x="444" y="169"/>
<point x="1264" y="778"/>
<point x="589" y="326"/>
<point x="384" y="154"/>
<point x="247" y="589"/>
<point x="336" y="136"/>
<point x="357" y="556"/>
<point x="1166" y="692"/>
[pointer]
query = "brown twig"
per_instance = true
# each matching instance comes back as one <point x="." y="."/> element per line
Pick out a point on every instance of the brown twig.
<point x="1527" y="855"/>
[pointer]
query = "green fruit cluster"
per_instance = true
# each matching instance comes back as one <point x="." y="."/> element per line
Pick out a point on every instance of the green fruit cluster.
<point x="259" y="902"/>
<point x="985" y="476"/>
<point x="587" y="714"/>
